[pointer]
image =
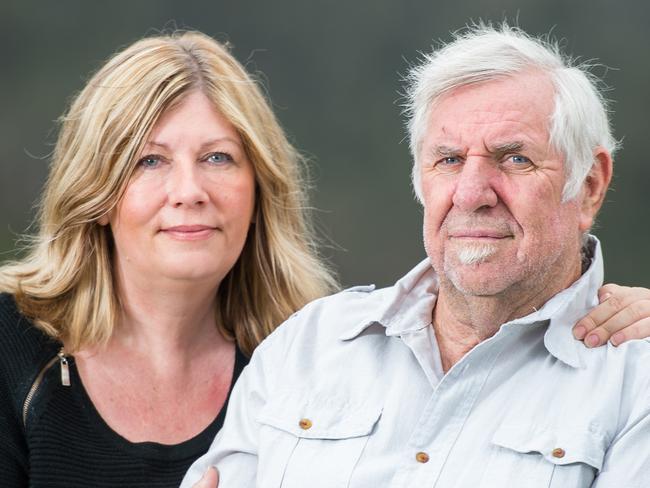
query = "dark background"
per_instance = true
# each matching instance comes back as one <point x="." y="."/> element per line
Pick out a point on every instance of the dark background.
<point x="333" y="72"/>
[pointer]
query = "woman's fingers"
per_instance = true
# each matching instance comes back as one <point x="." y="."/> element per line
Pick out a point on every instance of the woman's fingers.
<point x="209" y="480"/>
<point x="622" y="315"/>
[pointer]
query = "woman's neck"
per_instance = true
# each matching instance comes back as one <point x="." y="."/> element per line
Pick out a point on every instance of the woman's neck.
<point x="165" y="346"/>
<point x="166" y="318"/>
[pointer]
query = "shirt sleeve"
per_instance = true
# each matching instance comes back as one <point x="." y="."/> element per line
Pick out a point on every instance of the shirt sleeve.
<point x="627" y="460"/>
<point x="234" y="452"/>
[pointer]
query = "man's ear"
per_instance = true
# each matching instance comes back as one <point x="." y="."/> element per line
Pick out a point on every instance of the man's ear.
<point x="595" y="187"/>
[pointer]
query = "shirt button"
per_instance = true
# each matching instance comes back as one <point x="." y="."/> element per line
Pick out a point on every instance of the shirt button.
<point x="558" y="452"/>
<point x="305" y="424"/>
<point x="422" y="457"/>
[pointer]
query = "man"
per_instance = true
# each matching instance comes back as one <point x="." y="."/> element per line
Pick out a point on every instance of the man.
<point x="466" y="372"/>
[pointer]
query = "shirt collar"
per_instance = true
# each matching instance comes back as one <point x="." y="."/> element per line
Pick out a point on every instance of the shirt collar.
<point x="406" y="307"/>
<point x="563" y="310"/>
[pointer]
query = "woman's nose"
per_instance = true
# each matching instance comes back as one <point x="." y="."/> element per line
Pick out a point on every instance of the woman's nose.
<point x="186" y="187"/>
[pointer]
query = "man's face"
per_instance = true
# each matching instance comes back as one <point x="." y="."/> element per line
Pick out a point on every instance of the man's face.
<point x="492" y="186"/>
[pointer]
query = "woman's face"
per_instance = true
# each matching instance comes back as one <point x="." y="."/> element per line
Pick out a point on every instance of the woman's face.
<point x="188" y="207"/>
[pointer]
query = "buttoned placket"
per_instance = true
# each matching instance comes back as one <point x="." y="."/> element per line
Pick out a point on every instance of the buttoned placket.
<point x="447" y="410"/>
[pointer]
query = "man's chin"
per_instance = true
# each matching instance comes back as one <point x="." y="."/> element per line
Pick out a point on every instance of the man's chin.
<point x="485" y="278"/>
<point x="475" y="254"/>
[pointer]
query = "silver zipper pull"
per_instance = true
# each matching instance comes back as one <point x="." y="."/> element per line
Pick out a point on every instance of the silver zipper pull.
<point x="65" y="370"/>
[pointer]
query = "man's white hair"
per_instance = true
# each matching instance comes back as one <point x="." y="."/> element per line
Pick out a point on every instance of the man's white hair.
<point x="481" y="52"/>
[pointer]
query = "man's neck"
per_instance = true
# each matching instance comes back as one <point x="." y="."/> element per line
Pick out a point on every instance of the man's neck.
<point x="462" y="321"/>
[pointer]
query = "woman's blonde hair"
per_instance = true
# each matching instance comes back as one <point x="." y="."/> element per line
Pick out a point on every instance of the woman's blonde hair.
<point x="65" y="283"/>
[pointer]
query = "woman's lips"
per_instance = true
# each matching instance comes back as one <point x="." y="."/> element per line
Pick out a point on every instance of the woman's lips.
<point x="189" y="232"/>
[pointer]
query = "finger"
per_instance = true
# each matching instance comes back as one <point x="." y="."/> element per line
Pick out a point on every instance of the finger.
<point x="597" y="316"/>
<point x="613" y="299"/>
<point x="632" y="314"/>
<point x="638" y="330"/>
<point x="605" y="291"/>
<point x="625" y="293"/>
<point x="209" y="480"/>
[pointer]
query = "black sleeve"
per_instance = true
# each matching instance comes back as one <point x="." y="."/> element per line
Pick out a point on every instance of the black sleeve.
<point x="13" y="447"/>
<point x="21" y="351"/>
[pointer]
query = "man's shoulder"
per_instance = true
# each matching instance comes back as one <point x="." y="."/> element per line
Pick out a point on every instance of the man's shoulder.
<point x="629" y="360"/>
<point x="612" y="379"/>
<point x="629" y="352"/>
<point x="326" y="319"/>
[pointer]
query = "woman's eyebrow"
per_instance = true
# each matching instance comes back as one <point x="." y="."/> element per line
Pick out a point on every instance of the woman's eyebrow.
<point x="219" y="140"/>
<point x="157" y="144"/>
<point x="208" y="143"/>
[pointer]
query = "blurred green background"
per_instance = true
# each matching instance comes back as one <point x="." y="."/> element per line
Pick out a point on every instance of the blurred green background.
<point x="333" y="71"/>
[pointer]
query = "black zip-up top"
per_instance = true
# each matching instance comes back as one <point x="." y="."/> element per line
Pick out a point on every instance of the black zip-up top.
<point x="51" y="435"/>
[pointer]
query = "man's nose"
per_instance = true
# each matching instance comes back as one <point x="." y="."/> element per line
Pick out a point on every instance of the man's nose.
<point x="185" y="186"/>
<point x="474" y="186"/>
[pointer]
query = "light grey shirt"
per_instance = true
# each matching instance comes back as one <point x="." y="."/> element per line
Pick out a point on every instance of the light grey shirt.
<point x="350" y="392"/>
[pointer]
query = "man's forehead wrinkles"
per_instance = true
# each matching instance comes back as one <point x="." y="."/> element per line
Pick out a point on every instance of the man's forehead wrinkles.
<point x="503" y="125"/>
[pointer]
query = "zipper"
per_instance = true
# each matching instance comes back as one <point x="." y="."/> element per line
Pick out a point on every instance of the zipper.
<point x="65" y="369"/>
<point x="65" y="380"/>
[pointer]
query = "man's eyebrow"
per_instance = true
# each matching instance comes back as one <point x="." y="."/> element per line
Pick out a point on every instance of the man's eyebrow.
<point x="446" y="151"/>
<point x="498" y="150"/>
<point x="506" y="148"/>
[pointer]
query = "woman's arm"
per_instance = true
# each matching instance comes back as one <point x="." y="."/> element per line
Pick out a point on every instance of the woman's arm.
<point x="622" y="315"/>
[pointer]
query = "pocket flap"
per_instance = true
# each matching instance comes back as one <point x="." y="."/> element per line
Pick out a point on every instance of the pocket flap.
<point x="556" y="445"/>
<point x="320" y="416"/>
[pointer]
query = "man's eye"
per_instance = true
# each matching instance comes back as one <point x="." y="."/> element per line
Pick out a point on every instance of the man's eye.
<point x="450" y="160"/>
<point x="448" y="164"/>
<point x="519" y="159"/>
<point x="219" y="158"/>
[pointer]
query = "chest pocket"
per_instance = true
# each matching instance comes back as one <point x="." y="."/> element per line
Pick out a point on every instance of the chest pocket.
<point x="313" y="441"/>
<point x="524" y="457"/>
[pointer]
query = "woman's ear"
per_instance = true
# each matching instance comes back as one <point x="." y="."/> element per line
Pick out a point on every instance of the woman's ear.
<point x="595" y="187"/>
<point x="103" y="220"/>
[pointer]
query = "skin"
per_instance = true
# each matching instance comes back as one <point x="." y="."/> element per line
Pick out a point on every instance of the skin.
<point x="492" y="187"/>
<point x="179" y="228"/>
<point x="209" y="480"/>
<point x="623" y="315"/>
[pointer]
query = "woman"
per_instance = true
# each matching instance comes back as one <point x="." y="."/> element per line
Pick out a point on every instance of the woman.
<point x="172" y="240"/>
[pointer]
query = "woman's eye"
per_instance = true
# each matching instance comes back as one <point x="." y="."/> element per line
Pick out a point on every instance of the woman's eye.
<point x="149" y="161"/>
<point x="219" y="158"/>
